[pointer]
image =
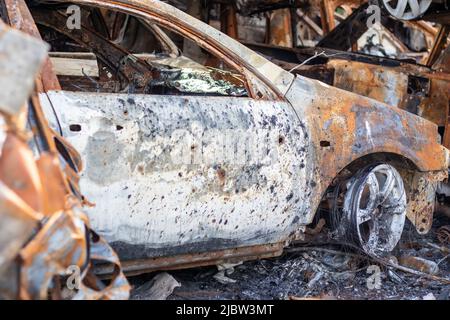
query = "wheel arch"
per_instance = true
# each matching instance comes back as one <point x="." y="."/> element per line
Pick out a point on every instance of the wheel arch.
<point x="419" y="185"/>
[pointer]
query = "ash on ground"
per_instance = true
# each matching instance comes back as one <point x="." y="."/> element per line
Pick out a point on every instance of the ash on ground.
<point x="323" y="271"/>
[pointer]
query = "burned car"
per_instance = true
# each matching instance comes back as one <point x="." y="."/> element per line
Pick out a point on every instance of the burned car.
<point x="210" y="152"/>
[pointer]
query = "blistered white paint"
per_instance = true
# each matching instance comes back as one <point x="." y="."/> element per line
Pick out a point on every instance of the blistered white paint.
<point x="145" y="193"/>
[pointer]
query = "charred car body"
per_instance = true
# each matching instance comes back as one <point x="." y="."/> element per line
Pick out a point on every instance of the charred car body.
<point x="195" y="162"/>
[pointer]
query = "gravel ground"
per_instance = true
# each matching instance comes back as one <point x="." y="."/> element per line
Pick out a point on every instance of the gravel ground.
<point x="317" y="274"/>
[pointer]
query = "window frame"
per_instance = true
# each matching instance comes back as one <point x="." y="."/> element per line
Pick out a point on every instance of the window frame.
<point x="258" y="87"/>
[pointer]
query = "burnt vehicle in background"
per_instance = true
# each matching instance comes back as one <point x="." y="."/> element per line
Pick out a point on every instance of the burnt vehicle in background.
<point x="221" y="156"/>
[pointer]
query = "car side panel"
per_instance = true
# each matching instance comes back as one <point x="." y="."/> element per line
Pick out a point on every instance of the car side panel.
<point x="172" y="175"/>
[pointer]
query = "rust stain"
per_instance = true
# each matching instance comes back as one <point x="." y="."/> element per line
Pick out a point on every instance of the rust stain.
<point x="136" y="267"/>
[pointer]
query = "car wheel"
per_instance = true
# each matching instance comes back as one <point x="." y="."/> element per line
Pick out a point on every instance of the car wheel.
<point x="406" y="9"/>
<point x="374" y="209"/>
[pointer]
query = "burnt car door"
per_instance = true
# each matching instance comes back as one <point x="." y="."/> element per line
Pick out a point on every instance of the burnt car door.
<point x="183" y="153"/>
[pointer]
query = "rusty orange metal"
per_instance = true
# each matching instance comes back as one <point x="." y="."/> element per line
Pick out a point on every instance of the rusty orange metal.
<point x="392" y="85"/>
<point x="44" y="231"/>
<point x="280" y="29"/>
<point x="136" y="267"/>
<point x="228" y="20"/>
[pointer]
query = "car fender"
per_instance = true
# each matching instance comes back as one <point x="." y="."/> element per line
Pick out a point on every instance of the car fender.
<point x="345" y="127"/>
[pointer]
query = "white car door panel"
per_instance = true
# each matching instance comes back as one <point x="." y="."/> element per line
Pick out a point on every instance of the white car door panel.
<point x="174" y="174"/>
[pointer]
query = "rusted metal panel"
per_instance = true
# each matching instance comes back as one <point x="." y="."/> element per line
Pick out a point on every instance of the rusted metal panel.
<point x="419" y="89"/>
<point x="421" y="92"/>
<point x="135" y="267"/>
<point x="228" y="20"/>
<point x="280" y="30"/>
<point x="18" y="221"/>
<point x="354" y="127"/>
<point x="421" y="203"/>
<point x="20" y="184"/>
<point x="377" y="82"/>
<point x="439" y="45"/>
<point x="60" y="245"/>
<point x="327" y="9"/>
<point x="432" y="104"/>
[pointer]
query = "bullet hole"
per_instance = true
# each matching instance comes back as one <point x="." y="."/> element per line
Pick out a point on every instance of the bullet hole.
<point x="325" y="143"/>
<point x="75" y="128"/>
<point x="281" y="140"/>
<point x="125" y="112"/>
<point x="118" y="128"/>
<point x="180" y="174"/>
<point x="290" y="196"/>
